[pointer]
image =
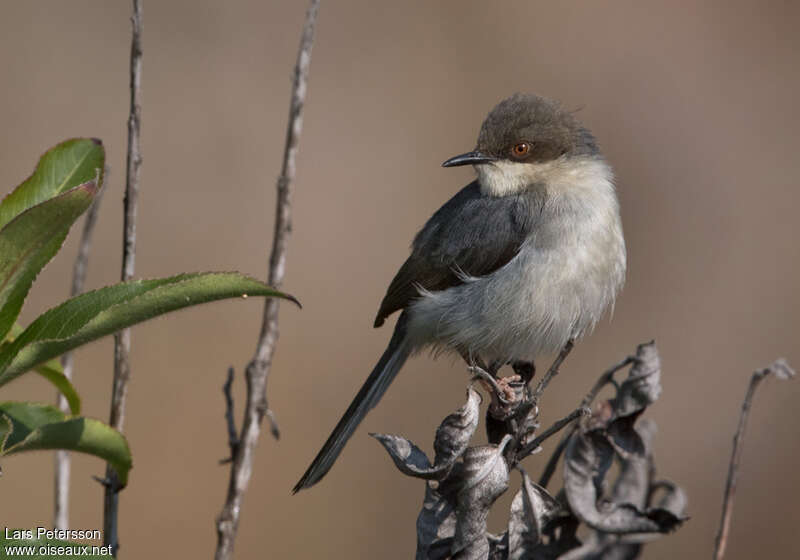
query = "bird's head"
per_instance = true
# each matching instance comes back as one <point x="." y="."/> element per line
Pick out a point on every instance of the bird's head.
<point x="524" y="140"/>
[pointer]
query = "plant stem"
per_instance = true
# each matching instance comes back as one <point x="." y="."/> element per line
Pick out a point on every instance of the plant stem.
<point x="62" y="460"/>
<point x="257" y="370"/>
<point x="552" y="430"/>
<point x="122" y="340"/>
<point x="553" y="371"/>
<point x="782" y="370"/>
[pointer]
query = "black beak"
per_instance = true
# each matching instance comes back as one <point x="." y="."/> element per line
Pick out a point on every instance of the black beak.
<point x="470" y="158"/>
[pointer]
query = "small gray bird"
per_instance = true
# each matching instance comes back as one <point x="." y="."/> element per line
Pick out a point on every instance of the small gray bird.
<point x="521" y="261"/>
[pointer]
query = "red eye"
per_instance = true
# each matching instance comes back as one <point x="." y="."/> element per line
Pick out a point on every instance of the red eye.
<point x="520" y="150"/>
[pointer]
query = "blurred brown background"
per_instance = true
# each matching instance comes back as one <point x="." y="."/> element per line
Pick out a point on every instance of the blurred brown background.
<point x="694" y="104"/>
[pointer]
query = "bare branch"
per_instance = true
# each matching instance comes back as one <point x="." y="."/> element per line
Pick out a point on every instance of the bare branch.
<point x="553" y="371"/>
<point x="557" y="426"/>
<point x="781" y="370"/>
<point x="62" y="459"/>
<point x="257" y="370"/>
<point x="606" y="378"/>
<point x="459" y="493"/>
<point x="122" y="340"/>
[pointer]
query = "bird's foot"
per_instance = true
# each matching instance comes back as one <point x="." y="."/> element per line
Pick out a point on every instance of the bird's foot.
<point x="510" y="387"/>
<point x="526" y="370"/>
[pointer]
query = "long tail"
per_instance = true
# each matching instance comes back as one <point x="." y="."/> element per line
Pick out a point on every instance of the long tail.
<point x="371" y="392"/>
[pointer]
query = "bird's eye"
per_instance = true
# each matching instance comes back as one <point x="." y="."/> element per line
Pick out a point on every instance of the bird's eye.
<point x="520" y="150"/>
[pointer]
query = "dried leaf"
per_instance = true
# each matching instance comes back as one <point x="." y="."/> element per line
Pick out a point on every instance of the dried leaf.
<point x="532" y="510"/>
<point x="604" y="547"/>
<point x="498" y="546"/>
<point x="674" y="500"/>
<point x="588" y="457"/>
<point x="620" y="551"/>
<point x="436" y="525"/>
<point x="464" y="482"/>
<point x="481" y="478"/>
<point x="455" y="431"/>
<point x="452" y="438"/>
<point x="643" y="384"/>
<point x="409" y="458"/>
<point x="633" y="483"/>
<point x="624" y="438"/>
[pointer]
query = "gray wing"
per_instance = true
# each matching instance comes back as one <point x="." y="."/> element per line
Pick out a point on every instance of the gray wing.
<point x="471" y="234"/>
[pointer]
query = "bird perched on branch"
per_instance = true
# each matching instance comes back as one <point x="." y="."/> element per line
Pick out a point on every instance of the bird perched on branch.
<point x="519" y="263"/>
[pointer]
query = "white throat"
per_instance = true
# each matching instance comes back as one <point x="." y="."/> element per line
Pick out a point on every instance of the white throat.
<point x="559" y="176"/>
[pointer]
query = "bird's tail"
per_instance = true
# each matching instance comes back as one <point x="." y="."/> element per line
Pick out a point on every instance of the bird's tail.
<point x="371" y="392"/>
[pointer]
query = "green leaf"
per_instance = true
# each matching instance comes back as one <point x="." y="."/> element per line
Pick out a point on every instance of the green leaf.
<point x="95" y="314"/>
<point x="33" y="426"/>
<point x="30" y="240"/>
<point x="64" y="166"/>
<point x="54" y="373"/>
<point x="19" y="546"/>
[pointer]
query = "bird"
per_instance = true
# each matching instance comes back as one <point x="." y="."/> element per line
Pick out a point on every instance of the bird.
<point x="519" y="263"/>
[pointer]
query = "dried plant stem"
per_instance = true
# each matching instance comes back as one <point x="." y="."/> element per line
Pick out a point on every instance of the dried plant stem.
<point x="553" y="371"/>
<point x="606" y="378"/>
<point x="557" y="426"/>
<point x="62" y="460"/>
<point x="257" y="370"/>
<point x="122" y="340"/>
<point x="781" y="370"/>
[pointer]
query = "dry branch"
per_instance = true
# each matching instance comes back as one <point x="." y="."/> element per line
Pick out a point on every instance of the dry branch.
<point x="598" y="513"/>
<point x="781" y="370"/>
<point x="552" y="430"/>
<point x="553" y="371"/>
<point x="257" y="370"/>
<point x="122" y="340"/>
<point x="62" y="459"/>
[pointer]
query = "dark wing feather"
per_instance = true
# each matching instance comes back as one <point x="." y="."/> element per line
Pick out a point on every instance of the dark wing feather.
<point x="471" y="234"/>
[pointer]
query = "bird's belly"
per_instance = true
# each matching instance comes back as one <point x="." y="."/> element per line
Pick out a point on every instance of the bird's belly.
<point x="531" y="306"/>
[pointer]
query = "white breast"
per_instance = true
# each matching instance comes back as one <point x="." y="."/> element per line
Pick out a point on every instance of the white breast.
<point x="559" y="285"/>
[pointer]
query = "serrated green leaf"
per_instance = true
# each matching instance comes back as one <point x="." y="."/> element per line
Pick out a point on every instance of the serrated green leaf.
<point x="53" y="372"/>
<point x="30" y="240"/>
<point x="35" y="426"/>
<point x="95" y="314"/>
<point x="66" y="165"/>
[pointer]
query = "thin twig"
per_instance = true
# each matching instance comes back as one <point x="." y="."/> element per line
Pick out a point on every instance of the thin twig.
<point x="554" y="429"/>
<point x="781" y="370"/>
<point x="257" y="370"/>
<point x="122" y="340"/>
<point x="606" y="378"/>
<point x="62" y="474"/>
<point x="553" y="371"/>
<point x="233" y="439"/>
